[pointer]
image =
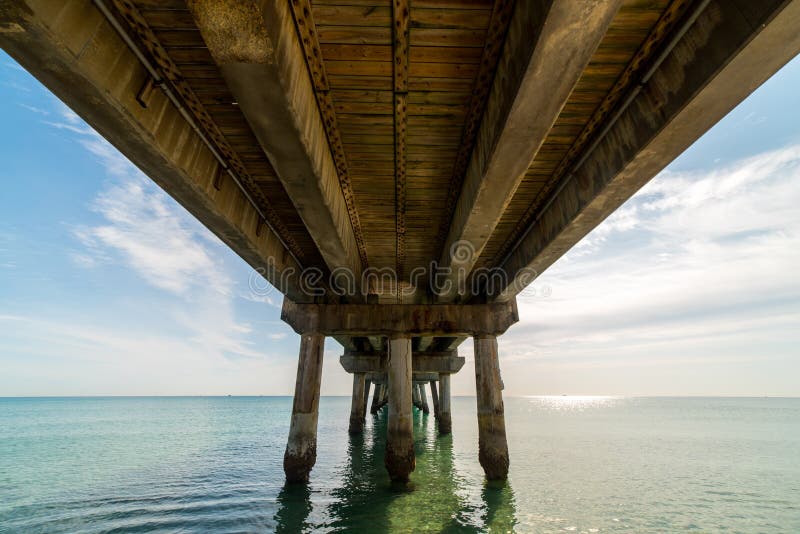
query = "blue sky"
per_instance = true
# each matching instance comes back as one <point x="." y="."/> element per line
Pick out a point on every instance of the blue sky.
<point x="107" y="286"/>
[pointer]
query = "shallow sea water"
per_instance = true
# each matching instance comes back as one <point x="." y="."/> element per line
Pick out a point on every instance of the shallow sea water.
<point x="578" y="464"/>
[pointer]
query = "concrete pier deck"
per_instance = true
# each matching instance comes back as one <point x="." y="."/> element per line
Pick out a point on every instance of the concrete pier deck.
<point x="401" y="169"/>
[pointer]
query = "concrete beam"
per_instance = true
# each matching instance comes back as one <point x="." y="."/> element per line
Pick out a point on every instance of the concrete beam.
<point x="261" y="58"/>
<point x="724" y="56"/>
<point x="547" y="47"/>
<point x="400" y="319"/>
<point x="420" y="363"/>
<point x="425" y="377"/>
<point x="73" y="50"/>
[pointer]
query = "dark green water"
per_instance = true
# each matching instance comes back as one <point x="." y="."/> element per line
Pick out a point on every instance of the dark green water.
<point x="577" y="465"/>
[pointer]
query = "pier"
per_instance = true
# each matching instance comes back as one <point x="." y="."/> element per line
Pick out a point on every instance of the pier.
<point x="401" y="170"/>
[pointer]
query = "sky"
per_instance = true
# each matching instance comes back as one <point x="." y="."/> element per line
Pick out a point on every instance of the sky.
<point x="109" y="287"/>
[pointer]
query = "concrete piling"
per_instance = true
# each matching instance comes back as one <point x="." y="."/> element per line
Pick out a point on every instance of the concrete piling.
<point x="434" y="399"/>
<point x="415" y="400"/>
<point x="376" y="399"/>
<point x="399" y="458"/>
<point x="492" y="445"/>
<point x="367" y="384"/>
<point x="301" y="448"/>
<point x="445" y="424"/>
<point x="423" y="398"/>
<point x="357" y="404"/>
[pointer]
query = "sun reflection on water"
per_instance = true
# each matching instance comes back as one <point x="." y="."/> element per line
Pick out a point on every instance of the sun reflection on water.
<point x="573" y="402"/>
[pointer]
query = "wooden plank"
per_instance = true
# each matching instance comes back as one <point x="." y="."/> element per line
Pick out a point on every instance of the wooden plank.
<point x="447" y="37"/>
<point x="359" y="68"/>
<point x="354" y="35"/>
<point x="350" y="15"/>
<point x="418" y="54"/>
<point x="349" y="52"/>
<point x="444" y="70"/>
<point x="466" y="19"/>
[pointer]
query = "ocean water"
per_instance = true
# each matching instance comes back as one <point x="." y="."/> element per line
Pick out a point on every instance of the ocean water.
<point x="578" y="464"/>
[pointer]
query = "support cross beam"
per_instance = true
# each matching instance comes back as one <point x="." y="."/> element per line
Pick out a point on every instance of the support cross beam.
<point x="400" y="319"/>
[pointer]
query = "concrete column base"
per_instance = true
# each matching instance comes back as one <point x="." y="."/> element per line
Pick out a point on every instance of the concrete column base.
<point x="399" y="458"/>
<point x="356" y="425"/>
<point x="445" y="425"/>
<point x="376" y="399"/>
<point x="301" y="447"/>
<point x="301" y="450"/>
<point x="434" y="399"/>
<point x="492" y="445"/>
<point x="423" y="398"/>
<point x="357" y="404"/>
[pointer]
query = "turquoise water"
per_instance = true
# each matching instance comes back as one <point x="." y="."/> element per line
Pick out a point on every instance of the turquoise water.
<point x="577" y="465"/>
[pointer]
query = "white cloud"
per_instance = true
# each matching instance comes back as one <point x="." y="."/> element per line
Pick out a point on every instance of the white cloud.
<point x="79" y="358"/>
<point x="157" y="238"/>
<point x="693" y="260"/>
<point x="140" y="227"/>
<point x="262" y="299"/>
<point x="34" y="109"/>
<point x="154" y="238"/>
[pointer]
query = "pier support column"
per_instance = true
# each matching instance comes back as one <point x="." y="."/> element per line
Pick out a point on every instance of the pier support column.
<point x="384" y="396"/>
<point x="376" y="399"/>
<point x="357" y="404"/>
<point x="492" y="446"/>
<point x="367" y="384"/>
<point x="423" y="398"/>
<point x="399" y="457"/>
<point x="434" y="399"/>
<point x="415" y="400"/>
<point x="445" y="424"/>
<point x="301" y="448"/>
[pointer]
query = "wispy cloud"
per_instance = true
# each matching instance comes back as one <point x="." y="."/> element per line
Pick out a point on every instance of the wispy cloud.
<point x="693" y="260"/>
<point x="34" y="109"/>
<point x="140" y="227"/>
<point x="80" y="357"/>
<point x="157" y="238"/>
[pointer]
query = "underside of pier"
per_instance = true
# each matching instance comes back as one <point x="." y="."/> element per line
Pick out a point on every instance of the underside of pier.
<point x="401" y="169"/>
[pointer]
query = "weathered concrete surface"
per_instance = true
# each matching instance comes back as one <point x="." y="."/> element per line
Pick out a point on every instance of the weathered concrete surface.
<point x="399" y="458"/>
<point x="301" y="448"/>
<point x="367" y="383"/>
<point x="544" y="37"/>
<point x="77" y="55"/>
<point x="376" y="399"/>
<point x="434" y="398"/>
<point x="260" y="56"/>
<point x="445" y="422"/>
<point x="447" y="362"/>
<point x="384" y="396"/>
<point x="357" y="404"/>
<point x="722" y="58"/>
<point x="423" y="398"/>
<point x="400" y="319"/>
<point x="492" y="446"/>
